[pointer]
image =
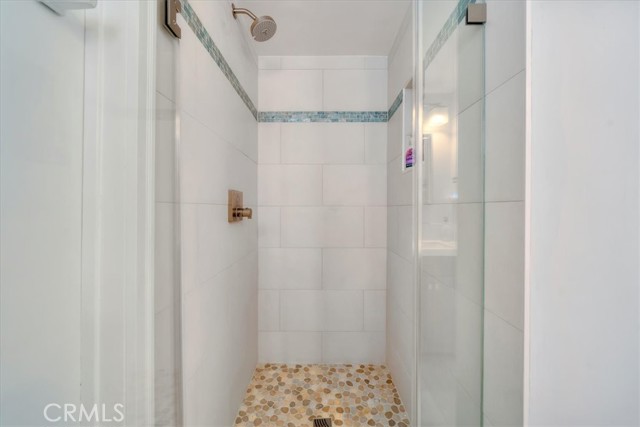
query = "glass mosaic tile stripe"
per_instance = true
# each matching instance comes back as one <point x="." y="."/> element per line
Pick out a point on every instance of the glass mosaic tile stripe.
<point x="447" y="29"/>
<point x="203" y="35"/>
<point x="395" y="105"/>
<point x="323" y="116"/>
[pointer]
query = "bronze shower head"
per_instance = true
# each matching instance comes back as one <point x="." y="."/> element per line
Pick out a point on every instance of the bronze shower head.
<point x="262" y="28"/>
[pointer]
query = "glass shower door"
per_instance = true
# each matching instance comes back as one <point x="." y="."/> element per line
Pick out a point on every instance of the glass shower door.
<point x="451" y="224"/>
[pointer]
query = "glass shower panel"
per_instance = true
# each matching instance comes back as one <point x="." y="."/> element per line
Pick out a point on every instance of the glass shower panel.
<point x="452" y="228"/>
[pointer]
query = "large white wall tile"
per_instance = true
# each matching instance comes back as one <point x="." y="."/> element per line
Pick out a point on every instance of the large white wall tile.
<point x="503" y="371"/>
<point x="268" y="310"/>
<point x="301" y="310"/>
<point x="290" y="347"/>
<point x="268" y="227"/>
<point x="400" y="284"/>
<point x="328" y="183"/>
<point x="210" y="244"/>
<point x="470" y="54"/>
<point x="208" y="97"/>
<point x="289" y="185"/>
<point x="400" y="191"/>
<point x="343" y="311"/>
<point x="375" y="307"/>
<point x="355" y="185"/>
<point x="290" y="90"/>
<point x="322" y="227"/>
<point x="505" y="45"/>
<point x="469" y="252"/>
<point x="505" y="141"/>
<point x="375" y="227"/>
<point x="345" y="62"/>
<point x="354" y="90"/>
<point x="290" y="268"/>
<point x="375" y="143"/>
<point x="470" y="161"/>
<point x="322" y="143"/>
<point x="210" y="166"/>
<point x="353" y="347"/>
<point x="394" y="135"/>
<point x="354" y="269"/>
<point x="269" y="143"/>
<point x="504" y="261"/>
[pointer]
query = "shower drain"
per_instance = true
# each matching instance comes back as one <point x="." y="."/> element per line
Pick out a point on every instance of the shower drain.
<point x="322" y="422"/>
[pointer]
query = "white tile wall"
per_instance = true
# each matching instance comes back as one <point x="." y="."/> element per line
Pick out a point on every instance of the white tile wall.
<point x="505" y="45"/>
<point x="400" y="348"/>
<point x="269" y="143"/>
<point x="375" y="143"/>
<point x="290" y="90"/>
<point x="354" y="269"/>
<point x="375" y="227"/>
<point x="504" y="150"/>
<point x="355" y="185"/>
<point x="268" y="310"/>
<point x="290" y="268"/>
<point x="322" y="212"/>
<point x="503" y="366"/>
<point x="353" y="347"/>
<point x="268" y="226"/>
<point x="290" y="347"/>
<point x="290" y="185"/>
<point x="329" y="83"/>
<point x="219" y="261"/>
<point x="504" y="222"/>
<point x="301" y="311"/>
<point x="351" y="90"/>
<point x="318" y="227"/>
<point x="375" y="308"/>
<point x="504" y="261"/>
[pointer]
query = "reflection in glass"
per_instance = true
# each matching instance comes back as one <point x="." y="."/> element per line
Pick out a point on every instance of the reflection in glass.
<point x="452" y="240"/>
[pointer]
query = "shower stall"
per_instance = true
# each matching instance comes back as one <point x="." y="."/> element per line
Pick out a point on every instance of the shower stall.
<point x="439" y="316"/>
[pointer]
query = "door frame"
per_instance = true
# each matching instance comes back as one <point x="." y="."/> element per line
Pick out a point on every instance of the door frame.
<point x="118" y="208"/>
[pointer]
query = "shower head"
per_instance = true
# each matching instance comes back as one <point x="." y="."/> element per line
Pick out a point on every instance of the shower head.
<point x="262" y="28"/>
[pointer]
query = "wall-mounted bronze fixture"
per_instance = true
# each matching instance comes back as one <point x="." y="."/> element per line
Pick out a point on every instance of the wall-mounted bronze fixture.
<point x="237" y="211"/>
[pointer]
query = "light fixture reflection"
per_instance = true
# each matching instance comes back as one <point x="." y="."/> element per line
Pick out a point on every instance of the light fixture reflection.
<point x="437" y="117"/>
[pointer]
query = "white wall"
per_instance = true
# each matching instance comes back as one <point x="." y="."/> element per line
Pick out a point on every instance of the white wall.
<point x="322" y="197"/>
<point x="217" y="148"/>
<point x="583" y="206"/>
<point x="400" y="349"/>
<point x="41" y="152"/>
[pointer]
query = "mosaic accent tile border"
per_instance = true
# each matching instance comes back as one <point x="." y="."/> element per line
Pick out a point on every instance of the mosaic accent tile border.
<point x="295" y="116"/>
<point x="447" y="29"/>
<point x="322" y="116"/>
<point x="396" y="104"/>
<point x="294" y="395"/>
<point x="203" y="35"/>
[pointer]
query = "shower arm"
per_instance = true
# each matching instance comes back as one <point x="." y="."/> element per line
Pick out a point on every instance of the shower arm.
<point x="242" y="11"/>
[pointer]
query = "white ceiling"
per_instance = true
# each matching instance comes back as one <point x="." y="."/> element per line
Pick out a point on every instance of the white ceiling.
<point x="328" y="27"/>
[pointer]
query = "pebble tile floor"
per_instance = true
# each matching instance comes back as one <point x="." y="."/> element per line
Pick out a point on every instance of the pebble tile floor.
<point x="295" y="395"/>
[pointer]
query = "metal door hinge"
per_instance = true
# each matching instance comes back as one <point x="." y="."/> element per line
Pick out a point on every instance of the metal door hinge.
<point x="173" y="7"/>
<point x="476" y="14"/>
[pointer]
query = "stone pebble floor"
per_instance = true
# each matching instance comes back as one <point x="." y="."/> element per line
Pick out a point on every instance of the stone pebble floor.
<point x="294" y="395"/>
